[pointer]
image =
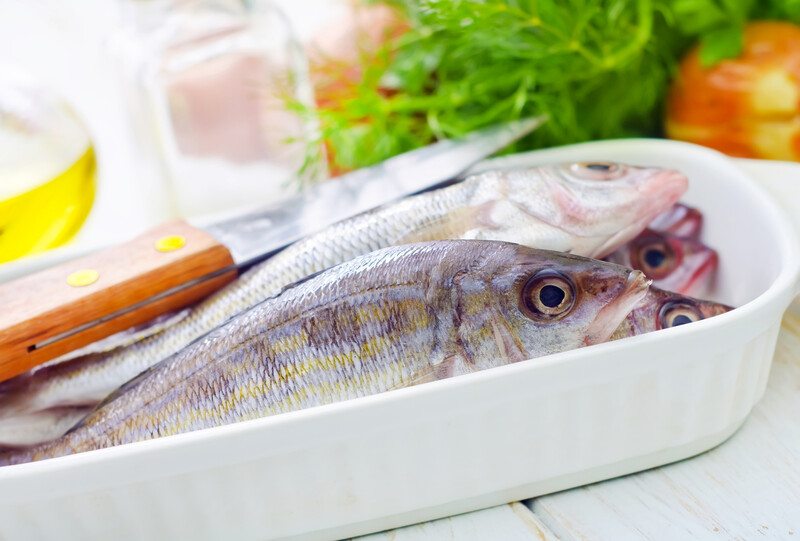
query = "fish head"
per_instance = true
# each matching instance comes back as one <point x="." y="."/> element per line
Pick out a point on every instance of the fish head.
<point x="661" y="309"/>
<point x="586" y="209"/>
<point x="546" y="302"/>
<point x="681" y="264"/>
<point x="679" y="220"/>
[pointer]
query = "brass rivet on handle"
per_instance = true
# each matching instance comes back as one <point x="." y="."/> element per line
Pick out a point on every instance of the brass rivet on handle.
<point x="170" y="243"/>
<point x="83" y="277"/>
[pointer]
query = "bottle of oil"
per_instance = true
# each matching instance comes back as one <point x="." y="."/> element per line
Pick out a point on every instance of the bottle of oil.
<point x="47" y="170"/>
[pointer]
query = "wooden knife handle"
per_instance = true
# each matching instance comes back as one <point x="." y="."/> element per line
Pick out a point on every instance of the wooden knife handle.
<point x="72" y="296"/>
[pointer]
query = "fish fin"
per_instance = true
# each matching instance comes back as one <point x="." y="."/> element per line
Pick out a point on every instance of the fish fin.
<point x="298" y="282"/>
<point x="447" y="368"/>
<point x="425" y="376"/>
<point x="458" y="223"/>
<point x="443" y="370"/>
<point x="508" y="345"/>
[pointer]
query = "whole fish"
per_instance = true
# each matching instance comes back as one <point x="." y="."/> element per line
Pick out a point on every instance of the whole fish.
<point x="661" y="309"/>
<point x="393" y="318"/>
<point x="680" y="220"/>
<point x="584" y="208"/>
<point x="681" y="264"/>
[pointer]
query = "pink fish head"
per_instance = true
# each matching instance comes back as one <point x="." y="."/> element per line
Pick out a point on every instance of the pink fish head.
<point x="679" y="264"/>
<point x="610" y="203"/>
<point x="587" y="209"/>
<point x="661" y="309"/>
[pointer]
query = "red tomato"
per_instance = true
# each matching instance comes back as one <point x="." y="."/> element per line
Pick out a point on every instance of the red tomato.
<point x="747" y="106"/>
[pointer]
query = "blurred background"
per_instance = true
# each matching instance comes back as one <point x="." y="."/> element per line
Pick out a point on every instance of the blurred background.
<point x="183" y="105"/>
<point x="118" y="115"/>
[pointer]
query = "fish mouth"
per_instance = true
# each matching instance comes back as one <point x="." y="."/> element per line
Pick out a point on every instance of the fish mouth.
<point x="660" y="192"/>
<point x="611" y="315"/>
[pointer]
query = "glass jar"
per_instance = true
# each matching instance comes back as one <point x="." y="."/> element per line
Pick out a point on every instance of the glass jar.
<point x="47" y="169"/>
<point x="216" y="86"/>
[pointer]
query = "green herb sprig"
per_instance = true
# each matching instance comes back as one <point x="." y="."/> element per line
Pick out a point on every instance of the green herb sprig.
<point x="597" y="68"/>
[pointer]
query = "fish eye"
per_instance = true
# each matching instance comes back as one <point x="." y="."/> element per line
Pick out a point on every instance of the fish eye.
<point x="655" y="258"/>
<point x="599" y="166"/>
<point x="598" y="170"/>
<point x="674" y="314"/>
<point x="548" y="295"/>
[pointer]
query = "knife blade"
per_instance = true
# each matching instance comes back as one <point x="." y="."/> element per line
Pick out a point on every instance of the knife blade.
<point x="255" y="236"/>
<point x="63" y="308"/>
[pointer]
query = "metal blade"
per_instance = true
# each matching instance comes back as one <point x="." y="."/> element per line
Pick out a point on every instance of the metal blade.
<point x="255" y="236"/>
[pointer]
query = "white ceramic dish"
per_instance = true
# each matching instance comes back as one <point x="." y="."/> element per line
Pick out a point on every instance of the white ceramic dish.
<point x="452" y="446"/>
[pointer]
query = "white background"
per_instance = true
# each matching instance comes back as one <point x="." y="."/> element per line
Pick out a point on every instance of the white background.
<point x="64" y="44"/>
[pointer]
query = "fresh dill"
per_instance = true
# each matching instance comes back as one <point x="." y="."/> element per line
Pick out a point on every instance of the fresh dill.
<point x="598" y="69"/>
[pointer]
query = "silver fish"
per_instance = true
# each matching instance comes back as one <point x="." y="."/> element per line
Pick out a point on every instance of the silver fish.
<point x="661" y="309"/>
<point x="396" y="317"/>
<point x="587" y="209"/>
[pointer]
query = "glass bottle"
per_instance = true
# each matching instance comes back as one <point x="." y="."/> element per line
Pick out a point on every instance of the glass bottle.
<point x="215" y="89"/>
<point x="47" y="168"/>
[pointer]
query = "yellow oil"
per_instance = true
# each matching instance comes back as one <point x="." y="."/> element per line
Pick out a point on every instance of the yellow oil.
<point x="48" y="213"/>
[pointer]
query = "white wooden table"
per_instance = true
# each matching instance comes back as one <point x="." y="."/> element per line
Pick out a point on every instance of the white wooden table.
<point x="747" y="488"/>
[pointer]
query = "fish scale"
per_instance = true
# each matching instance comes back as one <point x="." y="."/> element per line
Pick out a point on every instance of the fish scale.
<point x="515" y="206"/>
<point x="396" y="317"/>
<point x="320" y="370"/>
<point x="368" y="232"/>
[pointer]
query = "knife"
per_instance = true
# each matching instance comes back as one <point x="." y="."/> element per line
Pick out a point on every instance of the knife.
<point x="55" y="311"/>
